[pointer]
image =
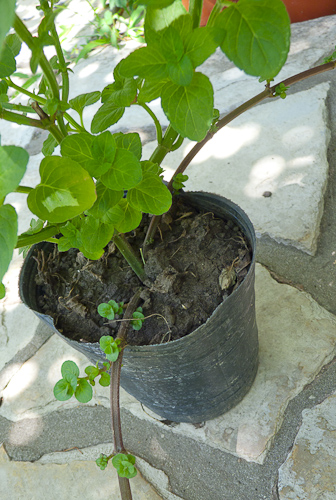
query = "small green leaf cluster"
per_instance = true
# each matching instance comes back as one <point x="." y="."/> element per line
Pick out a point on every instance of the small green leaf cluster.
<point x="81" y="387"/>
<point x="178" y="182"/>
<point x="280" y="90"/>
<point x="138" y="320"/>
<point x="124" y="465"/>
<point x="110" y="347"/>
<point x="331" y="58"/>
<point x="110" y="309"/>
<point x="122" y="462"/>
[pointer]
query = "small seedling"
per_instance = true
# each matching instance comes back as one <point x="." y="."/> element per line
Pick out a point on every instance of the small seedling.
<point x="139" y="318"/>
<point x="178" y="182"/>
<point x="110" y="309"/>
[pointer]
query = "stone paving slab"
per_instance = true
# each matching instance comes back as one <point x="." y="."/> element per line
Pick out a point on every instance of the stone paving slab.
<point x="297" y="338"/>
<point x="60" y="476"/>
<point x="309" y="472"/>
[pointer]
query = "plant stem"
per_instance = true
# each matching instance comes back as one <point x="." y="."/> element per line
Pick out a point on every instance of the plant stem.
<point x="195" y="9"/>
<point x="25" y="240"/>
<point x="42" y="100"/>
<point x="23" y="189"/>
<point x="124" y="484"/>
<point x="156" y="121"/>
<point x="45" y="124"/>
<point x="25" y="35"/>
<point x="127" y="252"/>
<point x="165" y="147"/>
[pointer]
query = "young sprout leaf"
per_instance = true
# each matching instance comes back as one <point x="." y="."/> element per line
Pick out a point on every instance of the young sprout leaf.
<point x="63" y="390"/>
<point x="124" y="465"/>
<point x="110" y="347"/>
<point x="106" y="311"/>
<point x="102" y="461"/>
<point x="83" y="393"/>
<point x="92" y="372"/>
<point x="105" y="379"/>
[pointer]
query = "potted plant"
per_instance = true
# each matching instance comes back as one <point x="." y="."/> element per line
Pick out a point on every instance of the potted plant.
<point x="98" y="189"/>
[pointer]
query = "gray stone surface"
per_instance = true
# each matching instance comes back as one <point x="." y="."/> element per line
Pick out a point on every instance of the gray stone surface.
<point x="309" y="472"/>
<point x="72" y="474"/>
<point x="237" y="456"/>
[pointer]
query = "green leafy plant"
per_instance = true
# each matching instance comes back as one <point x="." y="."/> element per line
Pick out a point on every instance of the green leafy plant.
<point x="119" y="20"/>
<point x="99" y="186"/>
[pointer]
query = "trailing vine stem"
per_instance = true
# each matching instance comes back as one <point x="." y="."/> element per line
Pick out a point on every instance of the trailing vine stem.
<point x="268" y="92"/>
<point x="124" y="483"/>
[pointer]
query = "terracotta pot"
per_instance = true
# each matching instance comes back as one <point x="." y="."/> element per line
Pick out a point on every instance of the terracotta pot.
<point x="298" y="10"/>
<point x="303" y="10"/>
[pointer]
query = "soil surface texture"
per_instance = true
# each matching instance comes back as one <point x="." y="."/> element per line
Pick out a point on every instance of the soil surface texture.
<point x="196" y="261"/>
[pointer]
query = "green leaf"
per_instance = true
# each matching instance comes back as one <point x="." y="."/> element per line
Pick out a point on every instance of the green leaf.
<point x="171" y="45"/>
<point x="122" y="92"/>
<point x="92" y="372"/>
<point x="189" y="108"/>
<point x="83" y="393"/>
<point x="124" y="465"/>
<point x="110" y="347"/>
<point x="105" y="379"/>
<point x="150" y="196"/>
<point x="63" y="390"/>
<point x="125" y="172"/>
<point x="181" y="72"/>
<point x="71" y="236"/>
<point x="103" y="147"/>
<point x="131" y="142"/>
<point x="65" y="191"/>
<point x="14" y="43"/>
<point x="201" y="43"/>
<point x="148" y="167"/>
<point x="106" y="199"/>
<point x="13" y="163"/>
<point x="49" y="145"/>
<point x="95" y="236"/>
<point x="146" y="62"/>
<point x="151" y="90"/>
<point x="124" y="217"/>
<point x="257" y="36"/>
<point x="83" y="100"/>
<point x="69" y="368"/>
<point x="106" y="311"/>
<point x="78" y="148"/>
<point x="8" y="238"/>
<point x="7" y="9"/>
<point x="108" y="114"/>
<point x="7" y="62"/>
<point x="157" y="19"/>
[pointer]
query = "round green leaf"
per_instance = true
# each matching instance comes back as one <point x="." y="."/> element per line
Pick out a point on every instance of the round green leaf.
<point x="150" y="196"/>
<point x="83" y="392"/>
<point x="63" y="390"/>
<point x="105" y="379"/>
<point x="124" y="465"/>
<point x="65" y="191"/>
<point x="69" y="368"/>
<point x="106" y="311"/>
<point x="124" y="173"/>
<point x="257" y="36"/>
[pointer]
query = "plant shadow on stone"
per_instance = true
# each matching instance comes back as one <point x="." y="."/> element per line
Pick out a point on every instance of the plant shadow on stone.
<point x="99" y="201"/>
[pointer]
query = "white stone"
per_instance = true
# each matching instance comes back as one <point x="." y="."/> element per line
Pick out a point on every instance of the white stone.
<point x="297" y="338"/>
<point x="280" y="146"/>
<point x="72" y="474"/>
<point x="309" y="472"/>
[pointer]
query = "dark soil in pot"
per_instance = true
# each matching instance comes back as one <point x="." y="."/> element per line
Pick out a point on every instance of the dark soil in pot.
<point x="197" y="261"/>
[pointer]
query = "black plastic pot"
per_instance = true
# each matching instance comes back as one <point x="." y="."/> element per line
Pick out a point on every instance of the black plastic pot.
<point x="201" y="375"/>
